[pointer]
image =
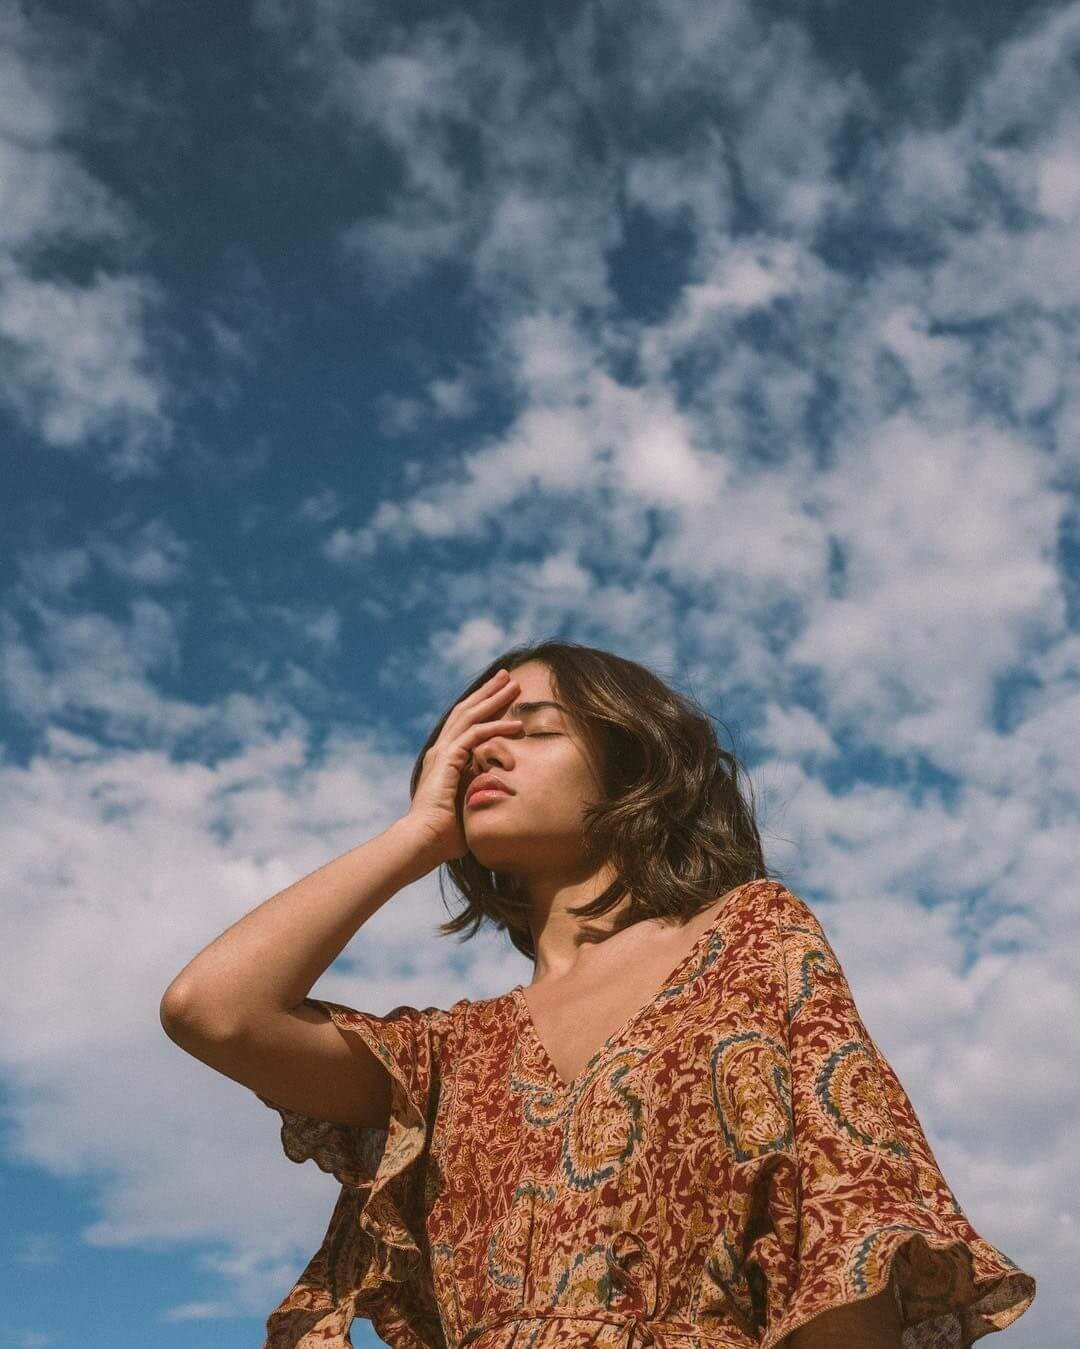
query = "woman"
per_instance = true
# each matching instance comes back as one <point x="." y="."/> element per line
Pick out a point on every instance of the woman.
<point x="679" y="1133"/>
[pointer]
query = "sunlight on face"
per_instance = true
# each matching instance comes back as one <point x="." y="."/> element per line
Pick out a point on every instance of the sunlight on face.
<point x="548" y="768"/>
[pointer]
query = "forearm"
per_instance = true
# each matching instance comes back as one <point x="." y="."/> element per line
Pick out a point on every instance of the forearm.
<point x="269" y="960"/>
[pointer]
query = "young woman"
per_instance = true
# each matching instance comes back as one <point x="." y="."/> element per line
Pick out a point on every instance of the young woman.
<point x="679" y="1133"/>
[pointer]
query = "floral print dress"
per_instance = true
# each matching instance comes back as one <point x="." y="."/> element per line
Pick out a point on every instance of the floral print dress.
<point x="736" y="1159"/>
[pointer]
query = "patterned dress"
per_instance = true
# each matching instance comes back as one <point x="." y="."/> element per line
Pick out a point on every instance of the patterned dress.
<point x="734" y="1160"/>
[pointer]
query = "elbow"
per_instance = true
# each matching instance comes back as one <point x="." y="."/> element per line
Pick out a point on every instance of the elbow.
<point x="175" y="1006"/>
<point x="169" y="1012"/>
<point x="187" y="1016"/>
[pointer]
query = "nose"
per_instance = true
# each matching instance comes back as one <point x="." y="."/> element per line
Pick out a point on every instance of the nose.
<point x="490" y="752"/>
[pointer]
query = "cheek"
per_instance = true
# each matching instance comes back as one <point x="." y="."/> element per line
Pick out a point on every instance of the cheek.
<point x="569" y="786"/>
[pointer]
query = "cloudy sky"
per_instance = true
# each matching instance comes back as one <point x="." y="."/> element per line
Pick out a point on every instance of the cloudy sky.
<point x="343" y="345"/>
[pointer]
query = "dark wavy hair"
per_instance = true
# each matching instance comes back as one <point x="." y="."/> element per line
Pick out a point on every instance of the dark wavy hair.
<point x="673" y="821"/>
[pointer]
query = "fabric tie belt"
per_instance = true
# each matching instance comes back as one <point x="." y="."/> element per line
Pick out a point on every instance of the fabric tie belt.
<point x="640" y="1324"/>
<point x="639" y="1330"/>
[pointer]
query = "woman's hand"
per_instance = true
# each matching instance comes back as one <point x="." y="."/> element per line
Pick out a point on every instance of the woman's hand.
<point x="434" y="809"/>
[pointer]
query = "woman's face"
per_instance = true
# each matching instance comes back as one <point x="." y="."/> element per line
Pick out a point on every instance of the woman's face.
<point x="546" y="765"/>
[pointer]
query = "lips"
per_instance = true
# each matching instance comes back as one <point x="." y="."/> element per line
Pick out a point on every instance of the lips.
<point x="486" y="782"/>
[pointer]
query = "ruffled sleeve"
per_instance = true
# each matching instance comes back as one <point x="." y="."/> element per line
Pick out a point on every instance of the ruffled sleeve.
<point x="373" y="1261"/>
<point x="856" y="1203"/>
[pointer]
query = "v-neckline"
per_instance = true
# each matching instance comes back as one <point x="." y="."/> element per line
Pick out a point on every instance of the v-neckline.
<point x="529" y="1025"/>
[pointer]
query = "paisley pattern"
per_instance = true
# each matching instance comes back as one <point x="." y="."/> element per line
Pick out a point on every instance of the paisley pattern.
<point x="738" y="1158"/>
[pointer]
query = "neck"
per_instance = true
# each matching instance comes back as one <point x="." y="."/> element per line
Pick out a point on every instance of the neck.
<point x="557" y="933"/>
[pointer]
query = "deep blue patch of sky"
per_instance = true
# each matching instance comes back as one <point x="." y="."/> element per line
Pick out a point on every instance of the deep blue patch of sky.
<point x="222" y="168"/>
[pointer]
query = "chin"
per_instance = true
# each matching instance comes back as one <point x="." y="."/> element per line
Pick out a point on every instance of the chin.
<point x="499" y="851"/>
<point x="488" y="853"/>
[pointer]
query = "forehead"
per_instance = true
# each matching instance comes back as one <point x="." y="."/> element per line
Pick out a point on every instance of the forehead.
<point x="536" y="687"/>
<point x="535" y="682"/>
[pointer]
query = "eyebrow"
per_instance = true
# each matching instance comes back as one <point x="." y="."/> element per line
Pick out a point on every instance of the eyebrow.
<point x="531" y="707"/>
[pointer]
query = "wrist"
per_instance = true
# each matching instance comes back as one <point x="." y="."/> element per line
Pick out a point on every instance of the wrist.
<point x="418" y="845"/>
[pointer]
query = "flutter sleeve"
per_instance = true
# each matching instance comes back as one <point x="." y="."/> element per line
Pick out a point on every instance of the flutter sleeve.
<point x="373" y="1261"/>
<point x="857" y="1203"/>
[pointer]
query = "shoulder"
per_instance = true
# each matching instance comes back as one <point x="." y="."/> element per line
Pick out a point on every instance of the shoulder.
<point x="479" y="1019"/>
<point x="772" y="927"/>
<point x="788" y="913"/>
<point x="770" y="909"/>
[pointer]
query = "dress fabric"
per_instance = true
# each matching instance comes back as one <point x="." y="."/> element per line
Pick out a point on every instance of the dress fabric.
<point x="736" y="1159"/>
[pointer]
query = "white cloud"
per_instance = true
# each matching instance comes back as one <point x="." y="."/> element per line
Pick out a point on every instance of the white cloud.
<point x="79" y="365"/>
<point x="694" y="185"/>
<point x="151" y="554"/>
<point x="949" y="575"/>
<point x="1058" y="176"/>
<point x="745" y="275"/>
<point x="529" y="220"/>
<point x="45" y="192"/>
<point x="54" y="570"/>
<point x="80" y="662"/>
<point x="320" y="506"/>
<point x="454" y="398"/>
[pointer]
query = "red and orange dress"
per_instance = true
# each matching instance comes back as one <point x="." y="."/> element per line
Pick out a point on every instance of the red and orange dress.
<point x="736" y="1159"/>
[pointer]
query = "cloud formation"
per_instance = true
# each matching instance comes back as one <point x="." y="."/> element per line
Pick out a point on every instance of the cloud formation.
<point x="79" y="363"/>
<point x="727" y="354"/>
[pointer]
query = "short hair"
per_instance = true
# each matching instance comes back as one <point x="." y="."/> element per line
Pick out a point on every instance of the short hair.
<point x="673" y="823"/>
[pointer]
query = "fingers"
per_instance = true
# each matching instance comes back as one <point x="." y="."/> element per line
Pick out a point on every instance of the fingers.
<point x="497" y="681"/>
<point x="480" y="704"/>
<point x="486" y="729"/>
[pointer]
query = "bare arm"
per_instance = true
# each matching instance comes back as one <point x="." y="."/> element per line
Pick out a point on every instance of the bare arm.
<point x="241" y="1005"/>
<point x="266" y="963"/>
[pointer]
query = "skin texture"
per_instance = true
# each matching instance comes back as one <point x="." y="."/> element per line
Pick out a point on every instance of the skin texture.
<point x="535" y="834"/>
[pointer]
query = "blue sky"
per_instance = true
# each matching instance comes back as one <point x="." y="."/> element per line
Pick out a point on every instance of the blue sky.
<point x="343" y="346"/>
